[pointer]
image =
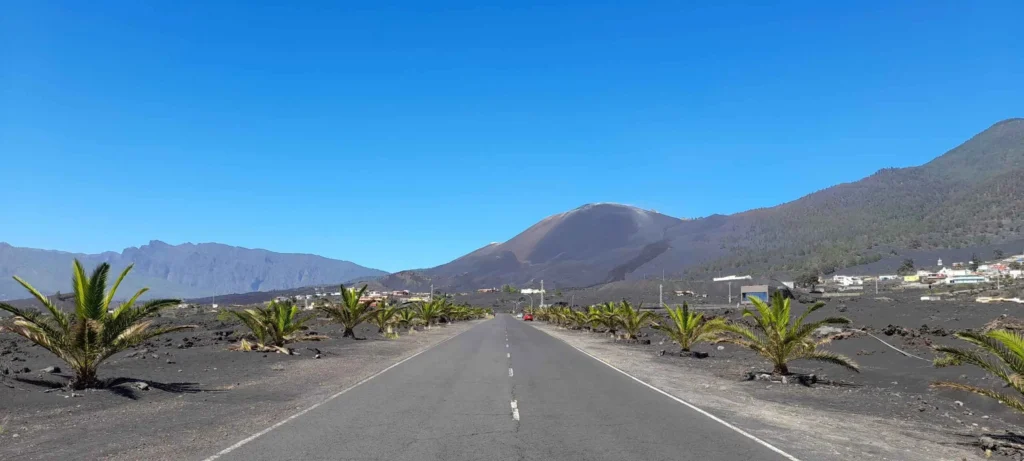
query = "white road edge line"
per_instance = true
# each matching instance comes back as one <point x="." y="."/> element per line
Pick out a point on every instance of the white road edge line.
<point x="328" y="399"/>
<point x="688" y="404"/>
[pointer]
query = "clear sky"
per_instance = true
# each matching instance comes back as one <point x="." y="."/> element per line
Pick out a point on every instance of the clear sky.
<point x="405" y="135"/>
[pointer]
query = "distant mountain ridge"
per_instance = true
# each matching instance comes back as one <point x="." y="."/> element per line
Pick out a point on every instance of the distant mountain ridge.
<point x="181" y="271"/>
<point x="971" y="196"/>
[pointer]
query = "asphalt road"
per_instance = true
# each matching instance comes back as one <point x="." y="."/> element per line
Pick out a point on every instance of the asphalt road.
<point x="455" y="402"/>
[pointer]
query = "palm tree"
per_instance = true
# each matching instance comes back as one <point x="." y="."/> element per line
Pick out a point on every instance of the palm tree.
<point x="688" y="328"/>
<point x="458" y="313"/>
<point x="581" y="319"/>
<point x="781" y="340"/>
<point x="384" y="318"/>
<point x="1006" y="346"/>
<point x="609" y="318"/>
<point x="273" y="326"/>
<point x="429" y="312"/>
<point x="593" y="318"/>
<point x="406" y="318"/>
<point x="95" y="330"/>
<point x="633" y="320"/>
<point x="351" y="312"/>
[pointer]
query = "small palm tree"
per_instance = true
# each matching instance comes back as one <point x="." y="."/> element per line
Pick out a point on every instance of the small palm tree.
<point x="458" y="313"/>
<point x="429" y="312"/>
<point x="581" y="319"/>
<point x="95" y="330"/>
<point x="406" y="318"/>
<point x="273" y="326"/>
<point x="633" y="320"/>
<point x="1006" y="346"/>
<point x="688" y="328"/>
<point x="781" y="340"/>
<point x="444" y="309"/>
<point x="385" y="318"/>
<point x="351" y="312"/>
<point x="609" y="318"/>
<point x="593" y="318"/>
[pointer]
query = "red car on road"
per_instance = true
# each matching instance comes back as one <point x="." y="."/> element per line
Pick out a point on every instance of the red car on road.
<point x="528" y="317"/>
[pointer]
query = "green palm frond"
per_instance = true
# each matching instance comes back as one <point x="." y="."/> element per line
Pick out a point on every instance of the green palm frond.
<point x="1010" y="401"/>
<point x="999" y="352"/>
<point x="829" y="357"/>
<point x="93" y="332"/>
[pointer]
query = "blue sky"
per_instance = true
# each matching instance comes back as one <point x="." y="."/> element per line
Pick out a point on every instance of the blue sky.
<point x="405" y="135"/>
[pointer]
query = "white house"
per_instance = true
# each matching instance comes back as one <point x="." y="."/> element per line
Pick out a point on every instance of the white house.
<point x="965" y="279"/>
<point x="531" y="291"/>
<point x="847" y="280"/>
<point x="954" y="272"/>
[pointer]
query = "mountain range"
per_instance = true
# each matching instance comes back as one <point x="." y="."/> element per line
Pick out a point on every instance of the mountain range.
<point x="179" y="271"/>
<point x="969" y="197"/>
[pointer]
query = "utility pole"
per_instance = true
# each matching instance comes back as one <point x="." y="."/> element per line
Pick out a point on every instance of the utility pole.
<point x="542" y="293"/>
<point x="430" y="297"/>
<point x="876" y="285"/>
<point x="730" y="293"/>
<point x="661" y="302"/>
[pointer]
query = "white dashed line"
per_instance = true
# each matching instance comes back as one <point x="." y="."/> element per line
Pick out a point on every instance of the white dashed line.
<point x="508" y="355"/>
<point x="509" y="372"/>
<point x="515" y="410"/>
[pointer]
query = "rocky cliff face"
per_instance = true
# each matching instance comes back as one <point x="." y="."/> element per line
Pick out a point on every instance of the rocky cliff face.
<point x="182" y="271"/>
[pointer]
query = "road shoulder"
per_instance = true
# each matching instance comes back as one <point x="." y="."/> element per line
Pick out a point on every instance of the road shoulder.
<point x="194" y="425"/>
<point x="807" y="432"/>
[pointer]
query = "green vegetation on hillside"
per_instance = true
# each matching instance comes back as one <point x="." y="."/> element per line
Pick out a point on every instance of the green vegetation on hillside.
<point x="972" y="195"/>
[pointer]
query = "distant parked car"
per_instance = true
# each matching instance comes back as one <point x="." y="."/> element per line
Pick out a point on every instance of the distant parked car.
<point x="528" y="318"/>
<point x="519" y="315"/>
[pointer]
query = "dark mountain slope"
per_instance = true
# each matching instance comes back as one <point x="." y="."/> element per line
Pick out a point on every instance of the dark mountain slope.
<point x="578" y="247"/>
<point x="187" y="270"/>
<point x="972" y="195"/>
